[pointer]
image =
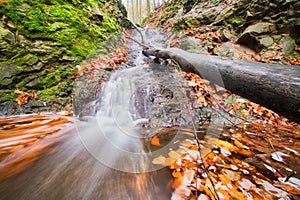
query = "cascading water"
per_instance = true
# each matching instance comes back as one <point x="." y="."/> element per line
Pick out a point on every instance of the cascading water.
<point x="106" y="161"/>
<point x="109" y="156"/>
<point x="105" y="157"/>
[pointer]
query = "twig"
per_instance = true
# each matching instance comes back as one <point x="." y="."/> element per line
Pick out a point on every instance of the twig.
<point x="140" y="43"/>
<point x="214" y="192"/>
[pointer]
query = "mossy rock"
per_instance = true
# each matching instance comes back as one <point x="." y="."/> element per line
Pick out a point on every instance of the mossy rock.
<point x="42" y="41"/>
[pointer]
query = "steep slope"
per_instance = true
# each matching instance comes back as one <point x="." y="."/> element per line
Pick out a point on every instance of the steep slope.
<point x="41" y="42"/>
<point x="266" y="31"/>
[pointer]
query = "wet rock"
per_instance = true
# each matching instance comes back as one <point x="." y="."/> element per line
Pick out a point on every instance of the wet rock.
<point x="260" y="28"/>
<point x="32" y="60"/>
<point x="38" y="66"/>
<point x="229" y="35"/>
<point x="7" y="36"/>
<point x="36" y="83"/>
<point x="10" y="25"/>
<point x="22" y="40"/>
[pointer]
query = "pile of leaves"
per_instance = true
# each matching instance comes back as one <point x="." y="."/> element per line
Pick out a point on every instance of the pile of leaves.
<point x="25" y="97"/>
<point x="228" y="167"/>
<point x="256" y="158"/>
<point x="220" y="99"/>
<point x="91" y="68"/>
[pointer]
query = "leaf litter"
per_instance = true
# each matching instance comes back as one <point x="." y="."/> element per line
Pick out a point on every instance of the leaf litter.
<point x="255" y="157"/>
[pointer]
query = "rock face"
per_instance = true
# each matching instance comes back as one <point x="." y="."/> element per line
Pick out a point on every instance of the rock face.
<point x="41" y="42"/>
<point x="269" y="29"/>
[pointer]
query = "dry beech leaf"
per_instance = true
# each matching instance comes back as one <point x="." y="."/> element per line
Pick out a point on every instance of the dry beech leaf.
<point x="290" y="189"/>
<point x="160" y="160"/>
<point x="176" y="174"/>
<point x="227" y="146"/>
<point x="155" y="141"/>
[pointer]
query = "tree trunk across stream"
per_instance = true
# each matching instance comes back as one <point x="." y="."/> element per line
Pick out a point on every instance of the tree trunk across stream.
<point x="276" y="87"/>
<point x="143" y="121"/>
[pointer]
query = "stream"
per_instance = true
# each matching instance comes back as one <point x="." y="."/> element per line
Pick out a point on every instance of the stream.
<point x="109" y="155"/>
<point x="105" y="156"/>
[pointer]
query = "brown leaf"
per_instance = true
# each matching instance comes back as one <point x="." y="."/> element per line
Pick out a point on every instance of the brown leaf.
<point x="155" y="141"/>
<point x="25" y="97"/>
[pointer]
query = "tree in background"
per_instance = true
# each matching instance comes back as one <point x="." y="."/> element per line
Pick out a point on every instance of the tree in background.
<point x="140" y="9"/>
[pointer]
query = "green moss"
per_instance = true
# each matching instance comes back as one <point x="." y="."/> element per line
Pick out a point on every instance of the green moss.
<point x="6" y="82"/>
<point x="51" y="79"/>
<point x="236" y="20"/>
<point x="64" y="29"/>
<point x="48" y="93"/>
<point x="67" y="23"/>
<point x="192" y="22"/>
<point x="22" y="60"/>
<point x="8" y="95"/>
<point x="21" y="85"/>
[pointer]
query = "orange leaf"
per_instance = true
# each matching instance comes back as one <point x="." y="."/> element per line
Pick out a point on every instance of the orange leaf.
<point x="155" y="141"/>
<point x="287" y="187"/>
<point x="25" y="97"/>
<point x="176" y="174"/>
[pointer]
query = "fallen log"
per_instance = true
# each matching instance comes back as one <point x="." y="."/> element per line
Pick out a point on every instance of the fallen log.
<point x="276" y="87"/>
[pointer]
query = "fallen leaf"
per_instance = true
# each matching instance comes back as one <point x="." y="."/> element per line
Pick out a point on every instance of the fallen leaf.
<point x="155" y="141"/>
<point x="160" y="160"/>
<point x="176" y="174"/>
<point x="25" y="97"/>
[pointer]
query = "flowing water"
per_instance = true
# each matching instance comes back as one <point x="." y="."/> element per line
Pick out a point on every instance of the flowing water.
<point x="105" y="156"/>
<point x="109" y="155"/>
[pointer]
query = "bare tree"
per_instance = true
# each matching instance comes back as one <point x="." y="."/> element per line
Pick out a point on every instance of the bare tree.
<point x="138" y="18"/>
<point x="148" y="8"/>
<point x="140" y="10"/>
<point x="132" y="7"/>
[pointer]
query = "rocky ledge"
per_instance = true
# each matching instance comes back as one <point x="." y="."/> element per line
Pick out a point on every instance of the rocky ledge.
<point x="43" y="43"/>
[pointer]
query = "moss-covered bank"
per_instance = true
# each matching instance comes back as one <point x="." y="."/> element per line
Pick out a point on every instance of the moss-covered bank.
<point x="42" y="41"/>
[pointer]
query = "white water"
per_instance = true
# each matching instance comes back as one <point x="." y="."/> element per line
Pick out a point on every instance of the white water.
<point x="114" y="139"/>
<point x="104" y="159"/>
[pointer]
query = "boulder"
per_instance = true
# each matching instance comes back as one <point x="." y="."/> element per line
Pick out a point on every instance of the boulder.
<point x="288" y="44"/>
<point x="193" y="45"/>
<point x="260" y="28"/>
<point x="251" y="36"/>
<point x="266" y="41"/>
<point x="229" y="49"/>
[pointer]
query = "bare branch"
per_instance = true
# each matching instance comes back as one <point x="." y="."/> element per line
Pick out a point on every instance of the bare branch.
<point x="140" y="31"/>
<point x="140" y="43"/>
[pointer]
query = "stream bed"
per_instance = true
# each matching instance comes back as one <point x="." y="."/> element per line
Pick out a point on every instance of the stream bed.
<point x="111" y="153"/>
